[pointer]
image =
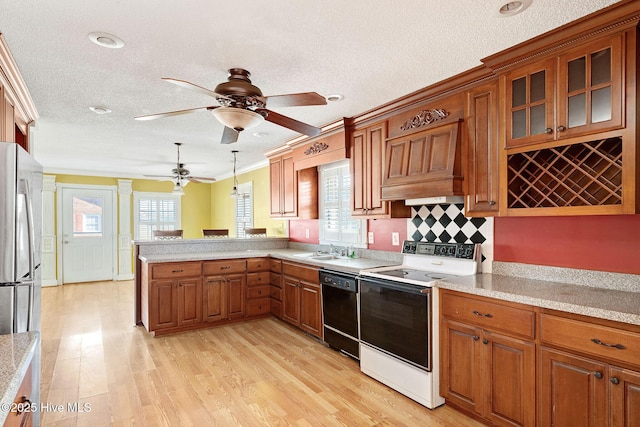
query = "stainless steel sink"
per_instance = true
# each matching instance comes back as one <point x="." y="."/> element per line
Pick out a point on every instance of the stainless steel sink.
<point x="317" y="257"/>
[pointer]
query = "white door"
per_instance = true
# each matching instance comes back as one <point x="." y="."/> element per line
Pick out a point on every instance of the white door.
<point x="87" y="235"/>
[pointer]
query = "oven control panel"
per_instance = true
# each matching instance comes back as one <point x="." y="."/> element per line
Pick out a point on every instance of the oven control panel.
<point x="451" y="250"/>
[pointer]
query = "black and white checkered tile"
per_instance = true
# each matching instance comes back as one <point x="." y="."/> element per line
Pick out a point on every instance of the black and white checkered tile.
<point x="446" y="223"/>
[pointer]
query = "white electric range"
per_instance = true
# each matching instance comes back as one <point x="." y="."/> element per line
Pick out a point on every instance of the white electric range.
<point x="399" y="316"/>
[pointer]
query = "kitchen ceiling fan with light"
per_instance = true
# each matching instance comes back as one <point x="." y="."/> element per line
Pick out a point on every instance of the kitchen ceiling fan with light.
<point x="180" y="175"/>
<point x="242" y="106"/>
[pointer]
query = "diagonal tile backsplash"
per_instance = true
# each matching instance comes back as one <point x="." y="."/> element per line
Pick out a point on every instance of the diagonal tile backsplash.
<point x="446" y="223"/>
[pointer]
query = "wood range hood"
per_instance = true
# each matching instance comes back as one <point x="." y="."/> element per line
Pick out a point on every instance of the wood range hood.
<point x="425" y="167"/>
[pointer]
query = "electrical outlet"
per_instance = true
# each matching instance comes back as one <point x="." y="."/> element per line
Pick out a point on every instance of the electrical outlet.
<point x="395" y="239"/>
<point x="306" y="233"/>
<point x="370" y="236"/>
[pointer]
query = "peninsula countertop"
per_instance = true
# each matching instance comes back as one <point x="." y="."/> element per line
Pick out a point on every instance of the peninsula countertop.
<point x="346" y="264"/>
<point x="618" y="305"/>
<point x="16" y="352"/>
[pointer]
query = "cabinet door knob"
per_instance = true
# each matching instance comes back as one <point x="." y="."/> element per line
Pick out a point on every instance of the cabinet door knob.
<point x="614" y="380"/>
<point x="485" y="341"/>
<point x="548" y="131"/>
<point x="598" y="375"/>
<point x="561" y="128"/>
<point x="492" y="202"/>
<point x="476" y="338"/>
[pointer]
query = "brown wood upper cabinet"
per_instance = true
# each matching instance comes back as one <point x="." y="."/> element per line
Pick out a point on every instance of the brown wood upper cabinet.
<point x="425" y="163"/>
<point x="482" y="183"/>
<point x="578" y="92"/>
<point x="284" y="186"/>
<point x="367" y="166"/>
<point x="284" y="183"/>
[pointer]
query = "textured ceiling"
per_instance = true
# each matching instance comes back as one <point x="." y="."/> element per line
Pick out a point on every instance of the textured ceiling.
<point x="370" y="51"/>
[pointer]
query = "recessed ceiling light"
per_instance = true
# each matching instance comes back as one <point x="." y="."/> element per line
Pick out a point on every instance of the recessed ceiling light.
<point x="335" y="97"/>
<point x="100" y="110"/>
<point x="514" y="7"/>
<point x="260" y="134"/>
<point x="106" y="40"/>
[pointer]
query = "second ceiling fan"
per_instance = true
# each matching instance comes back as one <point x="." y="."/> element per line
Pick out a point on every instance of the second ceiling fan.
<point x="243" y="106"/>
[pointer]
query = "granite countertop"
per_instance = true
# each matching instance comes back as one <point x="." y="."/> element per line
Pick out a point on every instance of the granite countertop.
<point x="16" y="352"/>
<point x="350" y="265"/>
<point x="610" y="304"/>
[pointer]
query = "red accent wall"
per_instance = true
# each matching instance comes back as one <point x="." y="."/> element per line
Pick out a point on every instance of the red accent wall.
<point x="603" y="243"/>
<point x="298" y="229"/>
<point x="382" y="229"/>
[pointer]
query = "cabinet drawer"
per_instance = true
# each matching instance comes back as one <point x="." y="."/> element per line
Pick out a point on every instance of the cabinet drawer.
<point x="258" y="292"/>
<point x="258" y="307"/>
<point x="224" y="267"/>
<point x="276" y="265"/>
<point x="276" y="308"/>
<point x="170" y="270"/>
<point x="489" y="315"/>
<point x="300" y="272"/>
<point x="276" y="279"/>
<point x="261" y="278"/>
<point x="275" y="293"/>
<point x="258" y="264"/>
<point x="579" y="335"/>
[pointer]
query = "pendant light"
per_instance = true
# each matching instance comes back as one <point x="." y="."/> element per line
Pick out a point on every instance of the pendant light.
<point x="177" y="189"/>
<point x="234" y="192"/>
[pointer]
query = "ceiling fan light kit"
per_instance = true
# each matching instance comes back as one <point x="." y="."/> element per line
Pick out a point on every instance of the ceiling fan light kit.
<point x="242" y="106"/>
<point x="237" y="118"/>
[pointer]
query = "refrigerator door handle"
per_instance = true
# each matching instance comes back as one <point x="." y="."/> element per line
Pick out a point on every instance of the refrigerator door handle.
<point x="31" y="233"/>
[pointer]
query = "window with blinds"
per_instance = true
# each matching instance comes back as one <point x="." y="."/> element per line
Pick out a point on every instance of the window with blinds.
<point x="244" y="208"/>
<point x="155" y="211"/>
<point x="336" y="224"/>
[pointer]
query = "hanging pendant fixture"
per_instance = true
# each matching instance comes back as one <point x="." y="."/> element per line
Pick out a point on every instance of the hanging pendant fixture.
<point x="234" y="192"/>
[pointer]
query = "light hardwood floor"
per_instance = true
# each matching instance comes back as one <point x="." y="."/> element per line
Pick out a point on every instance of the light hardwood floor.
<point x="258" y="373"/>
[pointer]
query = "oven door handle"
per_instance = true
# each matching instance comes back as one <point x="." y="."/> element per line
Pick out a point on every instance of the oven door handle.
<point x="398" y="286"/>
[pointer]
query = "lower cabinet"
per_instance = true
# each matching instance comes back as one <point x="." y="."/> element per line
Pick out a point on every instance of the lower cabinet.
<point x="258" y="287"/>
<point x="224" y="297"/>
<point x="172" y="295"/>
<point x="302" y="300"/>
<point x="581" y="381"/>
<point x="489" y="374"/>
<point x="485" y="369"/>
<point x="275" y="288"/>
<point x="16" y="418"/>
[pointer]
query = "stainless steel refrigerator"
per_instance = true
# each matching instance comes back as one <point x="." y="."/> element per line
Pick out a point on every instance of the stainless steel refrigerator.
<point x="20" y="249"/>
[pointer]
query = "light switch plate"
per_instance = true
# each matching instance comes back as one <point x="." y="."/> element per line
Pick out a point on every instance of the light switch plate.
<point x="306" y="233"/>
<point x="370" y="235"/>
<point x="395" y="239"/>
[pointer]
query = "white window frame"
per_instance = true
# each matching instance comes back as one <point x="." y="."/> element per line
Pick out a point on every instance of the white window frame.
<point x="138" y="196"/>
<point x="244" y="208"/>
<point x="357" y="239"/>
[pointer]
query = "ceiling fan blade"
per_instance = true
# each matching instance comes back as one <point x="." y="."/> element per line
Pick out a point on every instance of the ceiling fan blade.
<point x="295" y="100"/>
<point x="173" y="113"/>
<point x="229" y="135"/>
<point x="188" y="85"/>
<point x="200" y="179"/>
<point x="290" y="123"/>
<point x="163" y="177"/>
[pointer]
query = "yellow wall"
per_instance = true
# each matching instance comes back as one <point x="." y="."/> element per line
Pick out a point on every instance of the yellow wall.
<point x="204" y="205"/>
<point x="223" y="206"/>
<point x="195" y="204"/>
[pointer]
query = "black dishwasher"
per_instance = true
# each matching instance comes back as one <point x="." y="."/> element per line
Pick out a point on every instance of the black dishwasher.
<point x="340" y="311"/>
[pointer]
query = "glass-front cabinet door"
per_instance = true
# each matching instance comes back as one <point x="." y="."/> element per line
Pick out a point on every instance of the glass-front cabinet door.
<point x="529" y="100"/>
<point x="590" y="88"/>
<point x="576" y="93"/>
